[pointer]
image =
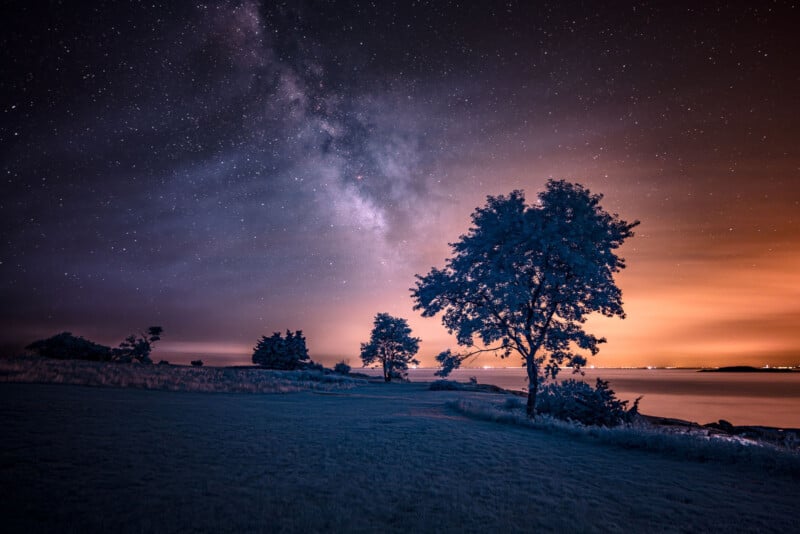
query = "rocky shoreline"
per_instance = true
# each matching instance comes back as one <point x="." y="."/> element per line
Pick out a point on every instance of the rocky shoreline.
<point x="788" y="438"/>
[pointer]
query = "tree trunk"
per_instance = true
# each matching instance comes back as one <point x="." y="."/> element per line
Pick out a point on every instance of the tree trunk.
<point x="386" y="374"/>
<point x="530" y="408"/>
<point x="533" y="388"/>
<point x="530" y="363"/>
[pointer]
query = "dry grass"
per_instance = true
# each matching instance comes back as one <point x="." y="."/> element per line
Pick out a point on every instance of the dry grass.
<point x="168" y="377"/>
<point x="696" y="444"/>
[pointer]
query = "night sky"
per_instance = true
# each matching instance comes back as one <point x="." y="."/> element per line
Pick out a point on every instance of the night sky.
<point x="229" y="169"/>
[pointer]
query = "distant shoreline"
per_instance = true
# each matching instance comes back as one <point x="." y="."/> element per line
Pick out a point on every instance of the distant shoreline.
<point x="748" y="369"/>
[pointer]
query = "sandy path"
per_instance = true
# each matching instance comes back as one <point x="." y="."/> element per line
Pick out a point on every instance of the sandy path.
<point x="374" y="459"/>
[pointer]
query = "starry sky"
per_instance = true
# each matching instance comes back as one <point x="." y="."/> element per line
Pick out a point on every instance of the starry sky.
<point x="229" y="169"/>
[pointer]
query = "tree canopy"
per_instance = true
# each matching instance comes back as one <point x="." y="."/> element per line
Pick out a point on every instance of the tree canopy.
<point x="391" y="345"/>
<point x="524" y="278"/>
<point x="134" y="348"/>
<point x="278" y="352"/>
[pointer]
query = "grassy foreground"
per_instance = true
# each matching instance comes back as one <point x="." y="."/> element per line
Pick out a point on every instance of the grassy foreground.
<point x="373" y="458"/>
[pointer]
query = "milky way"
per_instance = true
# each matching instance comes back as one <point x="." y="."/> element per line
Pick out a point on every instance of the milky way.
<point x="230" y="169"/>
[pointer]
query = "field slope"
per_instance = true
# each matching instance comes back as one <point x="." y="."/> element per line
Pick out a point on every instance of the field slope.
<point x="374" y="458"/>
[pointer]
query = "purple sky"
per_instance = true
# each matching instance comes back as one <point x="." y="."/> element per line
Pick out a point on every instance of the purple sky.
<point x="232" y="169"/>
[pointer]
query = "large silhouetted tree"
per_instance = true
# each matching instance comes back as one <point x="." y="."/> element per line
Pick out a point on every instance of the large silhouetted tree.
<point x="278" y="352"/>
<point x="392" y="345"/>
<point x="524" y="278"/>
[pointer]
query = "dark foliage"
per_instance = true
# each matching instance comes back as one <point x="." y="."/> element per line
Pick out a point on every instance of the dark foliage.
<point x="392" y="346"/>
<point x="65" y="346"/>
<point x="447" y="363"/>
<point x="573" y="400"/>
<point x="285" y="353"/>
<point x="342" y="368"/>
<point x="197" y="363"/>
<point x="525" y="278"/>
<point x="138" y="348"/>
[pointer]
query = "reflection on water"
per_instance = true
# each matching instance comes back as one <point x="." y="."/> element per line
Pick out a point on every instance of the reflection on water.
<point x="770" y="399"/>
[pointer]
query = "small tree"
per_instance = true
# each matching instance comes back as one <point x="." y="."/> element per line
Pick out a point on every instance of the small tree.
<point x="134" y="348"/>
<point x="526" y="277"/>
<point x="197" y="363"/>
<point x="277" y="352"/>
<point x="390" y="344"/>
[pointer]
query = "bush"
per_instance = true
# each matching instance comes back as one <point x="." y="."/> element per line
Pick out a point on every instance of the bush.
<point x="65" y="346"/>
<point x="197" y="363"/>
<point x="342" y="368"/>
<point x="573" y="400"/>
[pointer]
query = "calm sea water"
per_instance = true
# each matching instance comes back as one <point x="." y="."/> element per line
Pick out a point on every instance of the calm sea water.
<point x="770" y="399"/>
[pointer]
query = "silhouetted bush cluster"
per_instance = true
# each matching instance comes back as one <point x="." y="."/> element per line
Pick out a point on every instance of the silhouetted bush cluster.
<point x="342" y="368"/>
<point x="573" y="400"/>
<point x="284" y="353"/>
<point x="197" y="363"/>
<point x="65" y="346"/>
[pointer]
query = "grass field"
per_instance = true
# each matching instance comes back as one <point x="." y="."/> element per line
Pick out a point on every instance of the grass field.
<point x="373" y="458"/>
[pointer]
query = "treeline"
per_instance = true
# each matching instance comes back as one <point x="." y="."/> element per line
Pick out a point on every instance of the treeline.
<point x="65" y="346"/>
<point x="280" y="352"/>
